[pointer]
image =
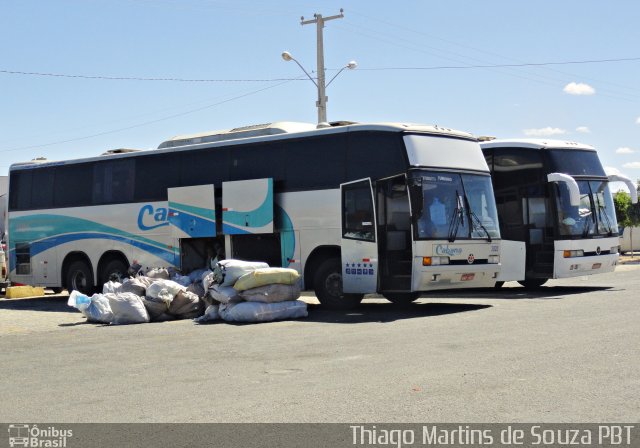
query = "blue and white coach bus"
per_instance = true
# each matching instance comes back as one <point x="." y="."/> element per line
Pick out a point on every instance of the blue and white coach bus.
<point x="395" y="209"/>
<point x="557" y="216"/>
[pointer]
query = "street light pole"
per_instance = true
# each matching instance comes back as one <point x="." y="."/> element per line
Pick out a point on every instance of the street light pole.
<point x="321" y="104"/>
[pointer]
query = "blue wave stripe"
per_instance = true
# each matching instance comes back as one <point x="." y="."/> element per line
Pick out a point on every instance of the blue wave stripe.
<point x="192" y="225"/>
<point x="38" y="247"/>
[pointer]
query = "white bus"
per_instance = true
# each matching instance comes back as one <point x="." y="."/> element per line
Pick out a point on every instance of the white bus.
<point x="396" y="209"/>
<point x="557" y="216"/>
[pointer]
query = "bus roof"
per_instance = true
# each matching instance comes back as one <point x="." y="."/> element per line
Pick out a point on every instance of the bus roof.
<point x="256" y="133"/>
<point x="290" y="127"/>
<point x="535" y="143"/>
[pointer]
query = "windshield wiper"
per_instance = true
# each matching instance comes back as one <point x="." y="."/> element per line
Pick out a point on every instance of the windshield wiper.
<point x="456" y="219"/>
<point x="475" y="221"/>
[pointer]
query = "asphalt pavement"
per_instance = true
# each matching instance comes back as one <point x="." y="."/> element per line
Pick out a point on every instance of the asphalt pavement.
<point x="567" y="353"/>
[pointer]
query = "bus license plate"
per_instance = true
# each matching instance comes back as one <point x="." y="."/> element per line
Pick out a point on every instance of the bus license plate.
<point x="596" y="266"/>
<point x="467" y="277"/>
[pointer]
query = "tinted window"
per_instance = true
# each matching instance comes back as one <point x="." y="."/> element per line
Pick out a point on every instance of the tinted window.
<point x="375" y="155"/>
<point x="316" y="163"/>
<point x="575" y="162"/>
<point x="72" y="187"/>
<point x="203" y="167"/>
<point x="257" y="162"/>
<point x="20" y="190"/>
<point x="155" y="174"/>
<point x="113" y="181"/>
<point x="514" y="166"/>
<point x="357" y="212"/>
<point x="42" y="189"/>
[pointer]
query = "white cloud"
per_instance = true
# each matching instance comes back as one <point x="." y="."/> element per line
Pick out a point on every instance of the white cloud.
<point x="625" y="150"/>
<point x="635" y="165"/>
<point x="544" y="132"/>
<point x="638" y="120"/>
<point x="583" y="129"/>
<point x="579" y="88"/>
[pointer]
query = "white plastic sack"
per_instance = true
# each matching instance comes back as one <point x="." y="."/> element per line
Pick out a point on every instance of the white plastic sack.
<point x="262" y="312"/>
<point x="186" y="305"/>
<point x="183" y="280"/>
<point x="267" y="276"/>
<point x="127" y="308"/>
<point x="196" y="276"/>
<point x="207" y="280"/>
<point x="211" y="314"/>
<point x="95" y="308"/>
<point x="158" y="273"/>
<point x="223" y="294"/>
<point x="227" y="272"/>
<point x="157" y="309"/>
<point x="165" y="290"/>
<point x="111" y="287"/>
<point x="271" y="293"/>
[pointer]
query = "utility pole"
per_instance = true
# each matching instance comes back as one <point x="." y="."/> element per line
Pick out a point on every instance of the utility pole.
<point x="322" y="98"/>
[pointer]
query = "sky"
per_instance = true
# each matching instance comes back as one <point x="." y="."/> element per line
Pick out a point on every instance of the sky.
<point x="502" y="68"/>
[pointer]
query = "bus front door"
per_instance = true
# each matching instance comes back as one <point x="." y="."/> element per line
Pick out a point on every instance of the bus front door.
<point x="359" y="238"/>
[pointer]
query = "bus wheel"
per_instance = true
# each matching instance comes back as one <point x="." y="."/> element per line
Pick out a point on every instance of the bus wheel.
<point x="115" y="270"/>
<point x="328" y="287"/>
<point x="79" y="278"/>
<point x="401" y="298"/>
<point x="533" y="283"/>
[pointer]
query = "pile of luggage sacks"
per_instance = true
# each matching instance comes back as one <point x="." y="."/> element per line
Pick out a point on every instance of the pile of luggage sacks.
<point x="235" y="291"/>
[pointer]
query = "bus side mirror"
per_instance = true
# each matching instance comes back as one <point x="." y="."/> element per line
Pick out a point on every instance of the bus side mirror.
<point x="574" y="190"/>
<point x="632" y="188"/>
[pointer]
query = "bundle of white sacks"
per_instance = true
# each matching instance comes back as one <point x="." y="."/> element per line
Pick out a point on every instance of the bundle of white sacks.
<point x="236" y="291"/>
<point x="244" y="291"/>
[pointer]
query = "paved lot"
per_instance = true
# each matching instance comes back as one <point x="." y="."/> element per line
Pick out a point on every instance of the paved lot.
<point x="569" y="353"/>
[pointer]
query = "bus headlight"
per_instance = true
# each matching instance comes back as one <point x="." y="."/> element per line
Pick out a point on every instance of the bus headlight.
<point x="493" y="259"/>
<point x="573" y="253"/>
<point x="434" y="261"/>
<point x="614" y="249"/>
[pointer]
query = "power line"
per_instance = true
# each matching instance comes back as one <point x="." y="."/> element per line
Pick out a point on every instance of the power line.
<point x="527" y="64"/>
<point x="112" y="131"/>
<point x="437" y="67"/>
<point x="136" y="78"/>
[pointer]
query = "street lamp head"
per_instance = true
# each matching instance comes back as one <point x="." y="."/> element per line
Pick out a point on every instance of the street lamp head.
<point x="287" y="56"/>
<point x="352" y="65"/>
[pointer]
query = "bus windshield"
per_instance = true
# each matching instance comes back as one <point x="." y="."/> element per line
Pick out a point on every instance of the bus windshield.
<point x="595" y="216"/>
<point x="455" y="206"/>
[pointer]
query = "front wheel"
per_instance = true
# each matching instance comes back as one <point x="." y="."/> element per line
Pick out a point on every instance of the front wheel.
<point x="533" y="283"/>
<point x="401" y="298"/>
<point x="328" y="287"/>
<point x="80" y="278"/>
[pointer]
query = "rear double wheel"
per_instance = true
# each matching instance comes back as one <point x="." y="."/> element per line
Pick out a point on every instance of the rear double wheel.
<point x="79" y="277"/>
<point x="115" y="270"/>
<point x="328" y="287"/>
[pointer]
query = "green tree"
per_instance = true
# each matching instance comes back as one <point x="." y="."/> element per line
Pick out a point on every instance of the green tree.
<point x="627" y="214"/>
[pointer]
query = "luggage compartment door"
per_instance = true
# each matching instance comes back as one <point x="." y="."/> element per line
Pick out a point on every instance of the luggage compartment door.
<point x="247" y="206"/>
<point x="192" y="211"/>
<point x="359" y="237"/>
